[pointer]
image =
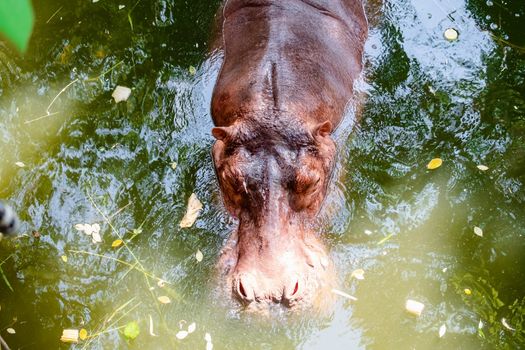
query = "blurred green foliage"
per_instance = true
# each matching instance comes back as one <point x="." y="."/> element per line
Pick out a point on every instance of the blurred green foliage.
<point x="16" y="22"/>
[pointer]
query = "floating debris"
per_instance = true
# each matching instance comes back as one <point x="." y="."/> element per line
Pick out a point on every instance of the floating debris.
<point x="121" y="93"/>
<point x="506" y="325"/>
<point x="181" y="335"/>
<point x="478" y="231"/>
<point x="451" y="34"/>
<point x="414" y="307"/>
<point x="117" y="243"/>
<point x="69" y="336"/>
<point x="358" y="274"/>
<point x="343" y="294"/>
<point x="151" y="327"/>
<point x="11" y="331"/>
<point x="20" y="164"/>
<point x="164" y="299"/>
<point x="199" y="256"/>
<point x="482" y="167"/>
<point x="192" y="327"/>
<point x="192" y="212"/>
<point x="442" y="330"/>
<point x="132" y="330"/>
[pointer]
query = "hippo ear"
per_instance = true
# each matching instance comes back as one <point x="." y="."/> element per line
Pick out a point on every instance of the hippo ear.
<point x="221" y="132"/>
<point x="323" y="129"/>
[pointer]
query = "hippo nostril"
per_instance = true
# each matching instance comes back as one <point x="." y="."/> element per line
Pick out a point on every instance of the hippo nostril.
<point x="296" y="288"/>
<point x="241" y="290"/>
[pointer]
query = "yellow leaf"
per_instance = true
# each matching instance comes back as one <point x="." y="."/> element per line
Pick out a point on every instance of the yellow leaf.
<point x="83" y="334"/>
<point x="64" y="258"/>
<point x="434" y="163"/>
<point x="164" y="299"/>
<point x="117" y="243"/>
<point x="192" y="212"/>
<point x="467" y="291"/>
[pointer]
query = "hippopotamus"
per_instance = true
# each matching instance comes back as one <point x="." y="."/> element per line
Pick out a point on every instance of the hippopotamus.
<point x="287" y="76"/>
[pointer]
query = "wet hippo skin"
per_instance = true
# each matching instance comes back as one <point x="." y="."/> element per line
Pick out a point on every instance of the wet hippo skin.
<point x="286" y="78"/>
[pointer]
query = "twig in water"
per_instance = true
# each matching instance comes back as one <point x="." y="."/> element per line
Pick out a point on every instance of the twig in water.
<point x="3" y="344"/>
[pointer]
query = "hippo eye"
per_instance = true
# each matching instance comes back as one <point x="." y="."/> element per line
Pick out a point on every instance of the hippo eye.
<point x="307" y="184"/>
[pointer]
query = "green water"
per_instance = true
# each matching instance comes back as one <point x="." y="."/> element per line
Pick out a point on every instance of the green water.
<point x="94" y="161"/>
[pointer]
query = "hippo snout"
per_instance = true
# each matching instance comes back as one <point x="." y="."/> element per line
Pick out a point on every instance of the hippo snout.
<point x="276" y="270"/>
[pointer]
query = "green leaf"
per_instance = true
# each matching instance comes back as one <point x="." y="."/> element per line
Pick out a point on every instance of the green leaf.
<point x="16" y="21"/>
<point x="132" y="330"/>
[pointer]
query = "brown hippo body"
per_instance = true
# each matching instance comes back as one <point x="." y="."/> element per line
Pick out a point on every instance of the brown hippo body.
<point x="287" y="76"/>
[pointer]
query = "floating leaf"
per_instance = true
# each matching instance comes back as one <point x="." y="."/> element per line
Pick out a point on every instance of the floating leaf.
<point x="174" y="165"/>
<point x="132" y="330"/>
<point x="483" y="167"/>
<point x="64" y="258"/>
<point x="467" y="291"/>
<point x="199" y="256"/>
<point x="20" y="164"/>
<point x="442" y="330"/>
<point x="192" y="327"/>
<point x="358" y="274"/>
<point x="480" y="324"/>
<point x="83" y="334"/>
<point x="434" y="163"/>
<point x="207" y="337"/>
<point x="451" y="34"/>
<point x="69" y="336"/>
<point x="192" y="70"/>
<point x="478" y="231"/>
<point x="368" y="232"/>
<point x="414" y="307"/>
<point x="164" y="299"/>
<point x="343" y="294"/>
<point x="117" y="243"/>
<point x="192" y="212"/>
<point x="181" y="335"/>
<point x="10" y="331"/>
<point x="121" y="93"/>
<point x="137" y="231"/>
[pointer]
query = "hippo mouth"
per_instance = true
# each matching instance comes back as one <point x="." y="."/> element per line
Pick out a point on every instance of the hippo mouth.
<point x="283" y="271"/>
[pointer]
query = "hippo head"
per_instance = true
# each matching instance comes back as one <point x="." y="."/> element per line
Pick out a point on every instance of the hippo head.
<point x="273" y="180"/>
